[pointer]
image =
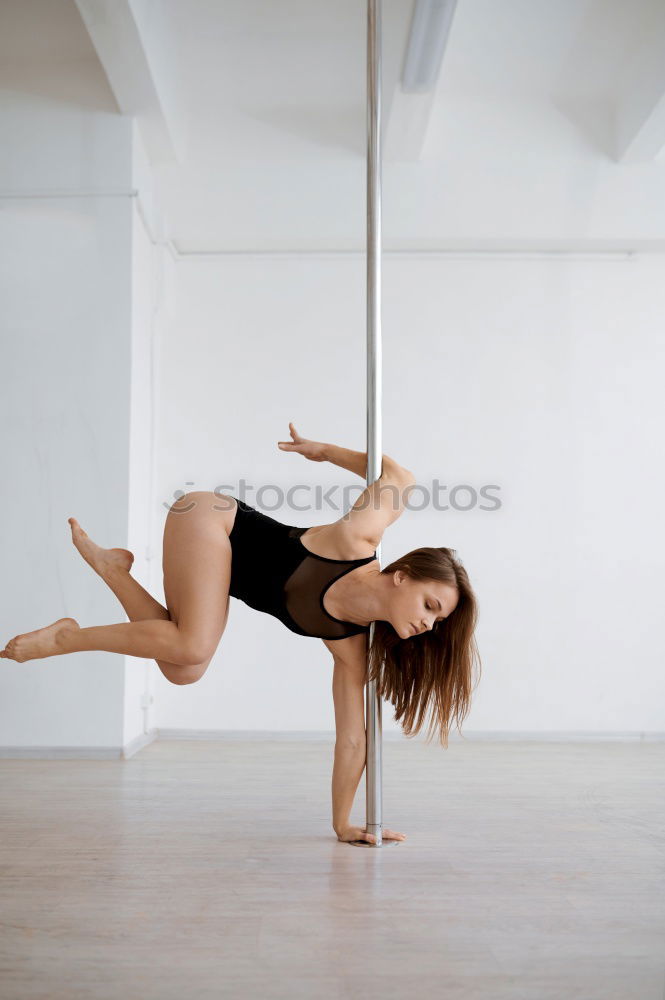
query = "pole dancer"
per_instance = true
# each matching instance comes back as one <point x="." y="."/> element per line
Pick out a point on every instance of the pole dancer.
<point x="323" y="581"/>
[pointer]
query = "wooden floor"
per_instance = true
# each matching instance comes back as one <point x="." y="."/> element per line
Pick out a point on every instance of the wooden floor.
<point x="202" y="870"/>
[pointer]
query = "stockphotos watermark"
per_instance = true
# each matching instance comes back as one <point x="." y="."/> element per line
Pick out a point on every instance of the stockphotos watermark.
<point x="416" y="496"/>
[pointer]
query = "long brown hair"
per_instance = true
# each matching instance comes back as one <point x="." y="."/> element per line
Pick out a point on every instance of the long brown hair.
<point x="434" y="669"/>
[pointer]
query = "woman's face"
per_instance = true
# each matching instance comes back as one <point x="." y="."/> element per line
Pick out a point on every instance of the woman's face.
<point x="416" y="605"/>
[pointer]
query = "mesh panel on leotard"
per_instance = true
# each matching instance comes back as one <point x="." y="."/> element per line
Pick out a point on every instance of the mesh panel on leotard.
<point x="304" y="592"/>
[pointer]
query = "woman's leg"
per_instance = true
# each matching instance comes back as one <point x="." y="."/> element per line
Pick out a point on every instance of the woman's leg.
<point x="147" y="639"/>
<point x="113" y="566"/>
<point x="139" y="605"/>
<point x="135" y="599"/>
<point x="197" y="574"/>
<point x="205" y="506"/>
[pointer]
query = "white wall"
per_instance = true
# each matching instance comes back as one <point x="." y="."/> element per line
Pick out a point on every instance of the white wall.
<point x="66" y="318"/>
<point x="541" y="376"/>
<point x="536" y="375"/>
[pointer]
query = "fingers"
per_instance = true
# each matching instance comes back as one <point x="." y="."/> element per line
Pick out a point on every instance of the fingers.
<point x="289" y="444"/>
<point x="358" y="833"/>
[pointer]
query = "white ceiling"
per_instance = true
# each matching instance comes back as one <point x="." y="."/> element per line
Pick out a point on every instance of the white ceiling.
<point x="263" y="102"/>
<point x="45" y="50"/>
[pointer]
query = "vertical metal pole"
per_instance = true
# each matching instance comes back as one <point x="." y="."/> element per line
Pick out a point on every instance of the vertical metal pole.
<point x="373" y="768"/>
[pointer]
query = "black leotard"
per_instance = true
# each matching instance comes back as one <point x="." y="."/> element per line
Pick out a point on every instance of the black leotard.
<point x="273" y="571"/>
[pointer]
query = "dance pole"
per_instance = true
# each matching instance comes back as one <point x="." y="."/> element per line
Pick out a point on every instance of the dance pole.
<point x="373" y="765"/>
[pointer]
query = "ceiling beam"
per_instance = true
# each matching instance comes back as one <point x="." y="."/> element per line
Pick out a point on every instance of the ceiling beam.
<point x="413" y="98"/>
<point x="124" y="56"/>
<point x="640" y="107"/>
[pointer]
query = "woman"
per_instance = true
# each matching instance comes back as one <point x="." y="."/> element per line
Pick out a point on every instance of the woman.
<point x="322" y="582"/>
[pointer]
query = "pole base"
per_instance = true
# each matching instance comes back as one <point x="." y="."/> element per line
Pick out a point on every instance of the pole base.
<point x="366" y="843"/>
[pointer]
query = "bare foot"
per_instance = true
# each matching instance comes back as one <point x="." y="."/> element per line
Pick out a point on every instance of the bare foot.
<point x="38" y="644"/>
<point x="101" y="560"/>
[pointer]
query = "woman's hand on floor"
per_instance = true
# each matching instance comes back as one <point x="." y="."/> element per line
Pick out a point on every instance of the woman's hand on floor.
<point x="360" y="833"/>
<point x="313" y="450"/>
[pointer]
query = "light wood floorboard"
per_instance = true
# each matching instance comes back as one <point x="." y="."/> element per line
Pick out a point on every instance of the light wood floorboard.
<point x="201" y="870"/>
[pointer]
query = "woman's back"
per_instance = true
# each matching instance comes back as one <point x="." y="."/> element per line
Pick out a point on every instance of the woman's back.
<point x="273" y="571"/>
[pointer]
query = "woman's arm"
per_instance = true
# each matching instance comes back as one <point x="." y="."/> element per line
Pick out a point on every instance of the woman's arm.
<point x="345" y="458"/>
<point x="356" y="461"/>
<point x="348" y="689"/>
<point x="350" y="747"/>
<point x="353" y="461"/>
<point x="347" y="772"/>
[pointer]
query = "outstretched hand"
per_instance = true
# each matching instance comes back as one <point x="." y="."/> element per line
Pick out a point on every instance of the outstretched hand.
<point x="313" y="450"/>
<point x="350" y="833"/>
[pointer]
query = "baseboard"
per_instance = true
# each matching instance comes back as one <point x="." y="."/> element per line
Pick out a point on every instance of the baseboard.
<point x="138" y="743"/>
<point x="313" y="736"/>
<point x="327" y="736"/>
<point x="79" y="753"/>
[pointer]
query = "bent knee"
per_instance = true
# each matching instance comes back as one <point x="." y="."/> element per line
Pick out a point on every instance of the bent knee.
<point x="195" y="652"/>
<point x="183" y="675"/>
